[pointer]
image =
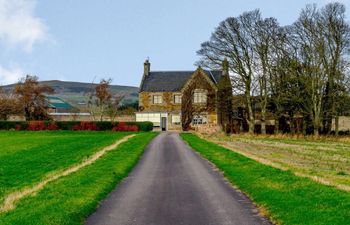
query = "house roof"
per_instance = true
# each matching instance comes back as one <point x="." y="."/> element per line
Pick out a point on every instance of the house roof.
<point x="56" y="102"/>
<point x="170" y="81"/>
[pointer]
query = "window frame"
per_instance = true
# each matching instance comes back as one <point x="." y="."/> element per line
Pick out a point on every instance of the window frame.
<point x="179" y="97"/>
<point x="199" y="119"/>
<point x="200" y="96"/>
<point x="159" y="99"/>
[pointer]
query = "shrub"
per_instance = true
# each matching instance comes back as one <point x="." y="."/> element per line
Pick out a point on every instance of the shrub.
<point x="18" y="127"/>
<point x="36" y="125"/>
<point x="105" y="125"/>
<point x="76" y="125"/>
<point x="85" y="125"/>
<point x="122" y="126"/>
<point x="88" y="125"/>
<point x="66" y="125"/>
<point x="52" y="126"/>
<point x="143" y="126"/>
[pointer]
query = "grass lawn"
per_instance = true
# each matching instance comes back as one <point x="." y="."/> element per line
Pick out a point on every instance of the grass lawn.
<point x="284" y="197"/>
<point x="326" y="160"/>
<point x="28" y="157"/>
<point x="70" y="199"/>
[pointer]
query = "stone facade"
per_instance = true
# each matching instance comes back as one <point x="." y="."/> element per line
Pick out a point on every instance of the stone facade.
<point x="161" y="97"/>
<point x="168" y="104"/>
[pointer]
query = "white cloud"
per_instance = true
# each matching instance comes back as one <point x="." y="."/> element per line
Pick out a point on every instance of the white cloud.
<point x="10" y="75"/>
<point x="19" y="26"/>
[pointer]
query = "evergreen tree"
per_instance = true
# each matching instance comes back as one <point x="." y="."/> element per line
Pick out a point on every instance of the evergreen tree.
<point x="224" y="99"/>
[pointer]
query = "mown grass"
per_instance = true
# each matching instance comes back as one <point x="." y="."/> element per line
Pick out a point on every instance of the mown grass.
<point x="27" y="157"/>
<point x="326" y="159"/>
<point x="71" y="199"/>
<point x="286" y="198"/>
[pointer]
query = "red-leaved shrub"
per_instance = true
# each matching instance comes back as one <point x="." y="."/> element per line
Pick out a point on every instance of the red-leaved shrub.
<point x="122" y="126"/>
<point x="52" y="126"/>
<point x="84" y="125"/>
<point x="36" y="125"/>
<point x="76" y="127"/>
<point x="18" y="127"/>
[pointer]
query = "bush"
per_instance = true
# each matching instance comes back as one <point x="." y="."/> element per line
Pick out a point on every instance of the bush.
<point x="105" y="125"/>
<point x="76" y="125"/>
<point x="143" y="126"/>
<point x="85" y="125"/>
<point x="122" y="126"/>
<point x="36" y="125"/>
<point x="8" y="125"/>
<point x="52" y="126"/>
<point x="66" y="125"/>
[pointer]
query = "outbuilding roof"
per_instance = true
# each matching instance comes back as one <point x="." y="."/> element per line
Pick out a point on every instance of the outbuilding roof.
<point x="56" y="102"/>
<point x="172" y="81"/>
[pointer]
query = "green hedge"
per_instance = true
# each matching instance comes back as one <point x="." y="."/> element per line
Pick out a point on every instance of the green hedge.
<point x="68" y="125"/>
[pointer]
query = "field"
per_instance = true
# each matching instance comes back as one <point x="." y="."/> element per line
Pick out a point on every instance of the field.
<point x="325" y="160"/>
<point x="27" y="158"/>
<point x="284" y="197"/>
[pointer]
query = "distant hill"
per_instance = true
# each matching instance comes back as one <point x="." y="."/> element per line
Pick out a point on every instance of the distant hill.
<point x="76" y="93"/>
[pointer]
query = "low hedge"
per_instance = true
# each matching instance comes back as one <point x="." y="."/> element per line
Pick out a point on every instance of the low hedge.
<point x="72" y="125"/>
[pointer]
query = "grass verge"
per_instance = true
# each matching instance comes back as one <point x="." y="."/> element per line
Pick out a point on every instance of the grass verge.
<point x="286" y="198"/>
<point x="70" y="199"/>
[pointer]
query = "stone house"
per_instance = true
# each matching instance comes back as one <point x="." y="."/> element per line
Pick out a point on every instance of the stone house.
<point x="161" y="96"/>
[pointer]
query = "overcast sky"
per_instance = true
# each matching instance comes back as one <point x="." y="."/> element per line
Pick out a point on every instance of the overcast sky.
<point x="83" y="40"/>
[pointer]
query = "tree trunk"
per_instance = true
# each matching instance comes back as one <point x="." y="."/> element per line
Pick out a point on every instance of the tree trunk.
<point x="291" y="125"/>
<point x="336" y="123"/>
<point x="251" y="121"/>
<point x="316" y="133"/>
<point x="304" y="125"/>
<point x="316" y="124"/>
<point x="277" y="126"/>
<point x="263" y="127"/>
<point x="263" y="121"/>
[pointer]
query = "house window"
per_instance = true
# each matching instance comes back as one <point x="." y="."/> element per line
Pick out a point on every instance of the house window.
<point x="175" y="119"/>
<point x="199" y="119"/>
<point x="200" y="96"/>
<point x="177" y="99"/>
<point x="157" y="99"/>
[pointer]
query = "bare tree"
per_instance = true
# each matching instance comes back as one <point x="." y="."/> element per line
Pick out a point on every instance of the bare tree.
<point x="99" y="98"/>
<point x="9" y="105"/>
<point x="113" y="106"/>
<point x="263" y="33"/>
<point x="321" y="39"/>
<point x="336" y="33"/>
<point x="232" y="40"/>
<point x="298" y="69"/>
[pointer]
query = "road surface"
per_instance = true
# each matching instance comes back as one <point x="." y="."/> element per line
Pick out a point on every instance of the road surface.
<point x="173" y="185"/>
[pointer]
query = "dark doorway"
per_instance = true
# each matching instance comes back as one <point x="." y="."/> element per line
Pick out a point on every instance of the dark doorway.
<point x="163" y="124"/>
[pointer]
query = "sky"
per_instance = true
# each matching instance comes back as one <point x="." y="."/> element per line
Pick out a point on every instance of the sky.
<point x="87" y="40"/>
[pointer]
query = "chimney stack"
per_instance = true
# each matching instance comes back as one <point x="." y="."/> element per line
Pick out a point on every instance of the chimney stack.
<point x="225" y="67"/>
<point x="146" y="67"/>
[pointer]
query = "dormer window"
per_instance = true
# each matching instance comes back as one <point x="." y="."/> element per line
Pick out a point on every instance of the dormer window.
<point x="200" y="96"/>
<point x="157" y="99"/>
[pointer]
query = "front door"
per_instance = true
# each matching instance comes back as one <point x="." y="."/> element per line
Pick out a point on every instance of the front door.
<point x="163" y="124"/>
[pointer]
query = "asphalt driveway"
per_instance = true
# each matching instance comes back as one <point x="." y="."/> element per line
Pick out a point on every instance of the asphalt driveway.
<point x="173" y="185"/>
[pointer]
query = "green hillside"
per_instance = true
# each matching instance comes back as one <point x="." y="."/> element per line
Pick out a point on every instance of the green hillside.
<point x="76" y="93"/>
